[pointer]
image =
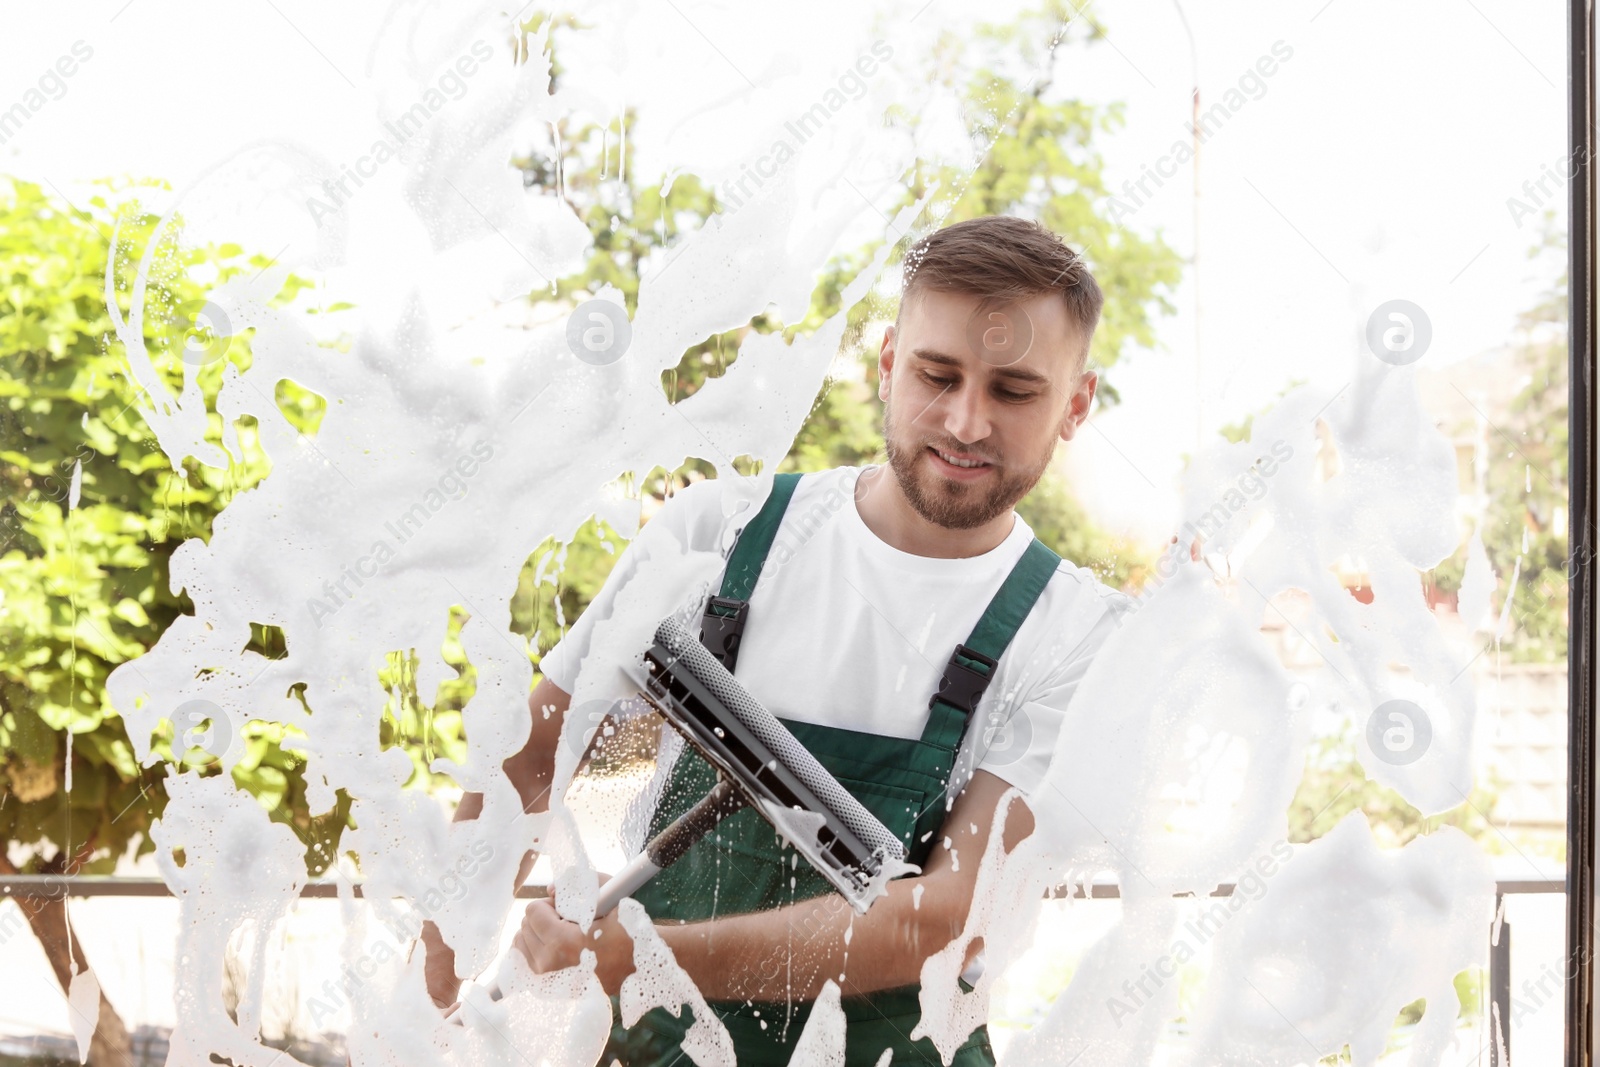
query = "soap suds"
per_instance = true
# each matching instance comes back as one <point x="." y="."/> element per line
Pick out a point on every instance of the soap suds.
<point x="83" y="1007"/>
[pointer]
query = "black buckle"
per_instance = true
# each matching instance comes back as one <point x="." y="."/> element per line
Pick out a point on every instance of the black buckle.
<point x="962" y="686"/>
<point x="722" y="627"/>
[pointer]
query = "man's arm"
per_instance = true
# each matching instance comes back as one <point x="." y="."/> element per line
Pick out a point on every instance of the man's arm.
<point x="790" y="952"/>
<point x="531" y="771"/>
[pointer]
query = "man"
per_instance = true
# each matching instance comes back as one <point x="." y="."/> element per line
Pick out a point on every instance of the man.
<point x="874" y="574"/>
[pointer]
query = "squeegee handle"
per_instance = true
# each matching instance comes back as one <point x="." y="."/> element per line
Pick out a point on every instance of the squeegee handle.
<point x="665" y="849"/>
<point x="668" y="847"/>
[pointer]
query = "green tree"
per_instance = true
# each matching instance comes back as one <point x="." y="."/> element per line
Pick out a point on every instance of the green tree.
<point x="92" y="513"/>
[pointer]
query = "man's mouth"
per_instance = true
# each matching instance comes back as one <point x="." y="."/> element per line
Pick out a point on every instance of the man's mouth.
<point x="960" y="461"/>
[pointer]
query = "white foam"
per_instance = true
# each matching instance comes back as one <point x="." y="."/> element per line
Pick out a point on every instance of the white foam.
<point x="1342" y="939"/>
<point x="1007" y="896"/>
<point x="658" y="981"/>
<point x="821" y="1043"/>
<point x="83" y="1005"/>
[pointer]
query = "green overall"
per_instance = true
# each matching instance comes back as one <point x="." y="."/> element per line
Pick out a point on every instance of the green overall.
<point x="745" y="867"/>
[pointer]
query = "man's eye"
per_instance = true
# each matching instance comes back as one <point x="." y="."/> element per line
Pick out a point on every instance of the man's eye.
<point x="1003" y="394"/>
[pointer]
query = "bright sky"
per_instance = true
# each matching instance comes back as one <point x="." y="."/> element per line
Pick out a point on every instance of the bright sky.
<point x="1374" y="163"/>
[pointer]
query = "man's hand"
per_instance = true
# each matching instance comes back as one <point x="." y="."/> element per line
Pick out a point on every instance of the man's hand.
<point x="792" y="950"/>
<point x="551" y="943"/>
<point x="530" y="771"/>
<point x="439" y="967"/>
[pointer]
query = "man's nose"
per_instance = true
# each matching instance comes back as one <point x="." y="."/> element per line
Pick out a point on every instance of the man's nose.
<point x="967" y="417"/>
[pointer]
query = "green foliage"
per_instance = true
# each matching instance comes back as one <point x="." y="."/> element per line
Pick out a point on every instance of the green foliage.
<point x="558" y="581"/>
<point x="84" y="588"/>
<point x="1469" y="995"/>
<point x="427" y="731"/>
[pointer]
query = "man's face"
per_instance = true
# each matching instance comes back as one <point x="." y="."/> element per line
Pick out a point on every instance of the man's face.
<point x="1000" y="389"/>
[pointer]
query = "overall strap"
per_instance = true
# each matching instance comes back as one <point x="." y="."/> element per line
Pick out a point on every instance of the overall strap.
<point x="723" y="624"/>
<point x="972" y="665"/>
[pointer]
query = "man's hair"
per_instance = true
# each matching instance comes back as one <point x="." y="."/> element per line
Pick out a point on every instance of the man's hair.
<point x="1000" y="260"/>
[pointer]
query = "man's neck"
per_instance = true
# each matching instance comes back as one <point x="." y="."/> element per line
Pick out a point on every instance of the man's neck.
<point x="889" y="515"/>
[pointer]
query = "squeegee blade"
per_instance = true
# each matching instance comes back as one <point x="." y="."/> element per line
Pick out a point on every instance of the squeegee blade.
<point x="738" y="742"/>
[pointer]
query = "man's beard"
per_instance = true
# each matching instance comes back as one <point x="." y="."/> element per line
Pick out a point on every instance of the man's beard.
<point x="952" y="504"/>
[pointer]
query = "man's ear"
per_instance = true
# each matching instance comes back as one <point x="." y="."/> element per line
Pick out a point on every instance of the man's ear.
<point x="885" y="362"/>
<point x="1079" y="404"/>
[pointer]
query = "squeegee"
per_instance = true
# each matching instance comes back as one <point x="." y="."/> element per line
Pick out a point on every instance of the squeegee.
<point x="760" y="765"/>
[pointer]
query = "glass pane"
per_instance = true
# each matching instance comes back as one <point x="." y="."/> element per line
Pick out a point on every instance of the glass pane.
<point x="376" y="368"/>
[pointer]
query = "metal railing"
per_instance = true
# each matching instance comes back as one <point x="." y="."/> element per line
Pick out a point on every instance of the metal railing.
<point x="56" y="886"/>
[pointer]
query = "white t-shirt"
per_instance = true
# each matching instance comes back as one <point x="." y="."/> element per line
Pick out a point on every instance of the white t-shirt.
<point x="845" y="630"/>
